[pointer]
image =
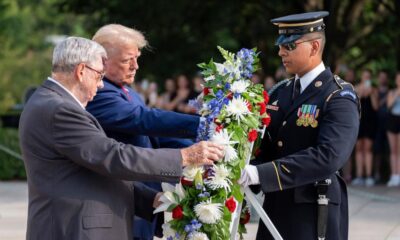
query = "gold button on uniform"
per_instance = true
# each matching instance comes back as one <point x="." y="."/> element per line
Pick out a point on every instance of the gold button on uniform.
<point x="280" y="143"/>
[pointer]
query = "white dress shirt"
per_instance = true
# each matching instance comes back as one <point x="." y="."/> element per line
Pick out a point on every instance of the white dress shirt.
<point x="307" y="78"/>
<point x="70" y="93"/>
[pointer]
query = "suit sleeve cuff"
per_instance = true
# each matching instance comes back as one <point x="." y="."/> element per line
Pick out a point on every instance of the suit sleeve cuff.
<point x="270" y="180"/>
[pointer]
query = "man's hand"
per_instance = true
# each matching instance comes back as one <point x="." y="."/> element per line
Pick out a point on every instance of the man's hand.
<point x="202" y="153"/>
<point x="249" y="176"/>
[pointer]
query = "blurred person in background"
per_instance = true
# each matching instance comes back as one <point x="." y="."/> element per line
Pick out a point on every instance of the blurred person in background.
<point x="152" y="95"/>
<point x="165" y="99"/>
<point x="380" y="144"/>
<point x="348" y="167"/>
<point x="256" y="78"/>
<point x="393" y="128"/>
<point x="367" y="131"/>
<point x="281" y="74"/>
<point x="184" y="93"/>
<point x="198" y="84"/>
<point x="269" y="82"/>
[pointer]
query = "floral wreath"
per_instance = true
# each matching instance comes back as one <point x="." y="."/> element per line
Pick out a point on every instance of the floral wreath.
<point x="233" y="109"/>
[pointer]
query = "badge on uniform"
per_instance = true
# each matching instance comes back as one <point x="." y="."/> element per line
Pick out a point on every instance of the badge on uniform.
<point x="307" y="116"/>
<point x="273" y="106"/>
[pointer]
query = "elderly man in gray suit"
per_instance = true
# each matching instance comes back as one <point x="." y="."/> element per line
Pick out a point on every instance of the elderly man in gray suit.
<point x="77" y="177"/>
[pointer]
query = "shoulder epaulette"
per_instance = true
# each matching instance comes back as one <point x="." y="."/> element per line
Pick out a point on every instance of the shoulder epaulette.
<point x="348" y="90"/>
<point x="279" y="84"/>
<point x="342" y="83"/>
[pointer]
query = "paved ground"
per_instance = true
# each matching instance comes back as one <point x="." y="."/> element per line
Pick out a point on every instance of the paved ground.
<point x="374" y="213"/>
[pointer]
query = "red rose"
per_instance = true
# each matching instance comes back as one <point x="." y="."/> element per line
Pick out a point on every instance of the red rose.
<point x="249" y="106"/>
<point x="266" y="97"/>
<point x="245" y="218"/>
<point x="230" y="95"/>
<point x="266" y="120"/>
<point x="263" y="108"/>
<point x="177" y="212"/>
<point x="219" y="128"/>
<point x="185" y="182"/>
<point x="252" y="135"/>
<point x="206" y="91"/>
<point x="230" y="204"/>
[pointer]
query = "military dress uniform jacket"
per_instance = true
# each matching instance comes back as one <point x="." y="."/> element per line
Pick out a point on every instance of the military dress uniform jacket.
<point x="308" y="140"/>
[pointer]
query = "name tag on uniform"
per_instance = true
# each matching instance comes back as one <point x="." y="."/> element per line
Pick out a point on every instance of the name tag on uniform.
<point x="273" y="107"/>
<point x="307" y="116"/>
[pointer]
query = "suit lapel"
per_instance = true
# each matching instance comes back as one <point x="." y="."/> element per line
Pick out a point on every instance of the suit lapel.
<point x="60" y="91"/>
<point x="310" y="91"/>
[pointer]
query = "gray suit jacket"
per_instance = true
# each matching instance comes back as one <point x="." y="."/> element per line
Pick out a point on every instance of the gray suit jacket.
<point x="76" y="174"/>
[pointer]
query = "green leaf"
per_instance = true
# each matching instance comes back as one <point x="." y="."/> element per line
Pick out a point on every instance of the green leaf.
<point x="237" y="193"/>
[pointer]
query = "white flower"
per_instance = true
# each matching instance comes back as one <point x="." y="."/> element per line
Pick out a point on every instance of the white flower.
<point x="229" y="68"/>
<point x="209" y="78"/>
<point x="167" y="230"/>
<point x="239" y="86"/>
<point x="190" y="172"/>
<point x="220" y="178"/>
<point x="168" y="197"/>
<point x="208" y="212"/>
<point x="237" y="108"/>
<point x="198" y="236"/>
<point x="220" y="69"/>
<point x="230" y="154"/>
<point x="223" y="138"/>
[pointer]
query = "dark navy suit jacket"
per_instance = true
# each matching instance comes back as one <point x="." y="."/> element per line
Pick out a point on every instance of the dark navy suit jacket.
<point x="125" y="117"/>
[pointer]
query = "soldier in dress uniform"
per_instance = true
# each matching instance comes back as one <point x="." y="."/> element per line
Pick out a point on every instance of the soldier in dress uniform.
<point x="314" y="126"/>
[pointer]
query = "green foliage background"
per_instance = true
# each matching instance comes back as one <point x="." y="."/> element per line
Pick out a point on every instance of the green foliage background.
<point x="10" y="167"/>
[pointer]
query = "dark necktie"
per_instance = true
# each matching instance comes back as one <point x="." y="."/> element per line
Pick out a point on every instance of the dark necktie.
<point x="296" y="90"/>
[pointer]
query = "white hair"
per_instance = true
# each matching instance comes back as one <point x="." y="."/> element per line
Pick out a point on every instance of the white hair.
<point x="74" y="50"/>
<point x="112" y="36"/>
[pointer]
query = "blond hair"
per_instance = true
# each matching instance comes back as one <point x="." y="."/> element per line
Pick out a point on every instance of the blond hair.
<point x="111" y="35"/>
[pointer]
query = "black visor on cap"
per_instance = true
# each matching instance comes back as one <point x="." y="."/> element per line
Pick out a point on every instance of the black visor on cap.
<point x="293" y="27"/>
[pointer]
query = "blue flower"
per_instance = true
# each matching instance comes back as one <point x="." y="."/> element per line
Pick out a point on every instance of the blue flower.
<point x="219" y="94"/>
<point x="227" y="86"/>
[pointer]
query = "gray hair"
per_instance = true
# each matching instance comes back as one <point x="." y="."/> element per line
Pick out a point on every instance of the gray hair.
<point x="74" y="50"/>
<point x="111" y="35"/>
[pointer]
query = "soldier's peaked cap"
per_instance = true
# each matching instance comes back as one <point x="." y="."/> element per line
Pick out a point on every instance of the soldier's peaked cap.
<point x="292" y="27"/>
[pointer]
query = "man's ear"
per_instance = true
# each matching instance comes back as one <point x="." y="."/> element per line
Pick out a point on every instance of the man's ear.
<point x="78" y="71"/>
<point x="315" y="46"/>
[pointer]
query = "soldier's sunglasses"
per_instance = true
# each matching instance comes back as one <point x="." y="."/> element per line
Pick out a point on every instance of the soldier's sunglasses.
<point x="293" y="45"/>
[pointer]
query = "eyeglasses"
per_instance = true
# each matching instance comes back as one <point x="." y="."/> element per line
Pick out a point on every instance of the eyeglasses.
<point x="293" y="45"/>
<point x="97" y="71"/>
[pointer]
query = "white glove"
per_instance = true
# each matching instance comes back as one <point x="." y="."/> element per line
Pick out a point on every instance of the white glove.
<point x="249" y="176"/>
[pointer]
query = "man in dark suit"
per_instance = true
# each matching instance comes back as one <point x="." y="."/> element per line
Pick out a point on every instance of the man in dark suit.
<point x="123" y="114"/>
<point x="314" y="126"/>
<point x="76" y="174"/>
